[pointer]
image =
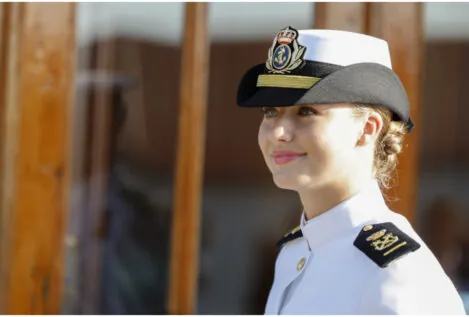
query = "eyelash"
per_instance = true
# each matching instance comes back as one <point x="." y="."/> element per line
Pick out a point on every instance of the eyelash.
<point x="266" y="110"/>
<point x="310" y="111"/>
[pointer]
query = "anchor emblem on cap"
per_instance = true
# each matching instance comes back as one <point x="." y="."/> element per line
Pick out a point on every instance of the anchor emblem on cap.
<point x="285" y="54"/>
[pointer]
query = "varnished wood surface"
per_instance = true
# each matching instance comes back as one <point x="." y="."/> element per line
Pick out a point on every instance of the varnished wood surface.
<point x="36" y="158"/>
<point x="190" y="162"/>
<point x="346" y="16"/>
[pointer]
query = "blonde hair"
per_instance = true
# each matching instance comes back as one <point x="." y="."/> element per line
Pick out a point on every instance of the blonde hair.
<point x="388" y="145"/>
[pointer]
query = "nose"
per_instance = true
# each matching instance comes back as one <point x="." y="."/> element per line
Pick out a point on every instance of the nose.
<point x="283" y="132"/>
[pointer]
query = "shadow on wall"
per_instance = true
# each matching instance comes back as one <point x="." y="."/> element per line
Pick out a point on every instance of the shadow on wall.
<point x="241" y="225"/>
<point x="444" y="229"/>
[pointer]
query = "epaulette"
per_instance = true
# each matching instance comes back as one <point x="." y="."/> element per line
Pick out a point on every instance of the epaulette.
<point x="292" y="235"/>
<point x="384" y="243"/>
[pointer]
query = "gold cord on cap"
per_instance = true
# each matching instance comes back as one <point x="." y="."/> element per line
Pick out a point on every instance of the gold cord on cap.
<point x="286" y="81"/>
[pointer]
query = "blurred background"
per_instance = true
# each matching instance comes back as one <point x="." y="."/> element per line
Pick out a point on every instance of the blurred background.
<point x="122" y="128"/>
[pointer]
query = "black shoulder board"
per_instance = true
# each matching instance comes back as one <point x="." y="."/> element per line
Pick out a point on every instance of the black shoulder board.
<point x="292" y="235"/>
<point x="384" y="243"/>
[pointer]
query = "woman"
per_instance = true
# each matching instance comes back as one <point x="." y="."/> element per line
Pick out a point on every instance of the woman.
<point x="335" y="115"/>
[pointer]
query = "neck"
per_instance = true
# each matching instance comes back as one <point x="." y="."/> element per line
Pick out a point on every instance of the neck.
<point x="320" y="199"/>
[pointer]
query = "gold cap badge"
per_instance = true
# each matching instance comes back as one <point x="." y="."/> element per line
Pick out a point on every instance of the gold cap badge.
<point x="285" y="55"/>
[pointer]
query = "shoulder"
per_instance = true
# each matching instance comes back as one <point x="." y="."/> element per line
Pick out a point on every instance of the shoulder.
<point x="384" y="243"/>
<point x="392" y="243"/>
<point x="406" y="277"/>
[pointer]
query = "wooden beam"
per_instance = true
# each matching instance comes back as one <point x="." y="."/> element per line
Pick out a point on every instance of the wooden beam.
<point x="347" y="16"/>
<point x="401" y="25"/>
<point x="35" y="184"/>
<point x="8" y="126"/>
<point x="190" y="161"/>
<point x="5" y="32"/>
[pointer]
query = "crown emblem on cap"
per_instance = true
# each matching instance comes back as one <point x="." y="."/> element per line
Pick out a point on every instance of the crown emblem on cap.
<point x="285" y="54"/>
<point x="286" y="36"/>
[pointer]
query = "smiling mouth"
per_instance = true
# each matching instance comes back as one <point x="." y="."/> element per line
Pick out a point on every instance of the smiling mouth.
<point x="285" y="159"/>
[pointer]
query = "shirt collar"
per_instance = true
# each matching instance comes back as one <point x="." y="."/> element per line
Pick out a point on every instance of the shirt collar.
<point x="351" y="213"/>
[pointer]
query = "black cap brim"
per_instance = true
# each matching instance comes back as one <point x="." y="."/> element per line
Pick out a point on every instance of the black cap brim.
<point x="363" y="83"/>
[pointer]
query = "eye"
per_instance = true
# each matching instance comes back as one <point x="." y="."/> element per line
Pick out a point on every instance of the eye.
<point x="269" y="112"/>
<point x="307" y="111"/>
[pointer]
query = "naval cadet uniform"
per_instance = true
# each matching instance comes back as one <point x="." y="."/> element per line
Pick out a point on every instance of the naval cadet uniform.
<point x="359" y="257"/>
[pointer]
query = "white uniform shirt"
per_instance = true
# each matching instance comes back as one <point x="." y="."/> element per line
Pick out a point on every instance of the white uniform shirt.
<point x="324" y="273"/>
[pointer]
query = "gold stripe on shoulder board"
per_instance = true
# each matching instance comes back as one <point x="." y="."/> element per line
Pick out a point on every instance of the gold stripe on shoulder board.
<point x="293" y="231"/>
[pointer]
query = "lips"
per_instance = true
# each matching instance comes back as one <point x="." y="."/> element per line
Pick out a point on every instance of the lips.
<point x="284" y="157"/>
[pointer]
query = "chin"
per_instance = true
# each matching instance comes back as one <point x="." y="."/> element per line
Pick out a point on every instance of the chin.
<point x="292" y="182"/>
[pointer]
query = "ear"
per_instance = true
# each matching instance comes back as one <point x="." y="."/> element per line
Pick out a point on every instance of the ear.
<point x="371" y="129"/>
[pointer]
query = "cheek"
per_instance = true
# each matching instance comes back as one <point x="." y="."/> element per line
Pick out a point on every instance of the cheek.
<point x="314" y="140"/>
<point x="341" y="137"/>
<point x="329" y="142"/>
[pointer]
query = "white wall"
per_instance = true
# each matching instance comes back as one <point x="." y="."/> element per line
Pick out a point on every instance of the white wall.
<point x="237" y="21"/>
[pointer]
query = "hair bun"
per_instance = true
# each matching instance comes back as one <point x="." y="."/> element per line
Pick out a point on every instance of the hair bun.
<point x="392" y="141"/>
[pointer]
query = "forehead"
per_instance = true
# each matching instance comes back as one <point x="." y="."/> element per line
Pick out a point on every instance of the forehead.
<point x="333" y="106"/>
<point x="323" y="107"/>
